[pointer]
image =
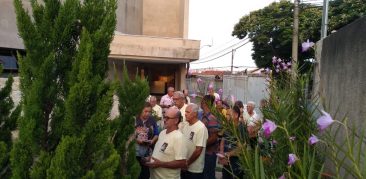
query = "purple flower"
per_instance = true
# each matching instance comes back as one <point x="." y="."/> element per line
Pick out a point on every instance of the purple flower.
<point x="289" y="64"/>
<point x="211" y="85"/>
<point x="278" y="66"/>
<point x="221" y="91"/>
<point x="274" y="59"/>
<point x="292" y="138"/>
<point x="285" y="67"/>
<point x="268" y="128"/>
<point x="193" y="95"/>
<point x="268" y="70"/>
<point x="199" y="81"/>
<point x="313" y="139"/>
<point x="307" y="45"/>
<point x="277" y="70"/>
<point x="282" y="177"/>
<point x="232" y="98"/>
<point x="324" y="121"/>
<point x="274" y="142"/>
<point x="279" y="60"/>
<point x="292" y="158"/>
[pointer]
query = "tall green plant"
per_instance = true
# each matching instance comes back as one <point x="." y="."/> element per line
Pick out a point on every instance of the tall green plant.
<point x="8" y="117"/>
<point x="132" y="95"/>
<point x="66" y="101"/>
<point x="291" y="110"/>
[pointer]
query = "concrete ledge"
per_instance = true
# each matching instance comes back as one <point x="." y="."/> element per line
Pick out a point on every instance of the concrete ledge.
<point x="159" y="48"/>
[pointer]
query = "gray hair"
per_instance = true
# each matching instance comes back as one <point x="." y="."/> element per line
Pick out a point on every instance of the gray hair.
<point x="251" y="103"/>
<point x="179" y="94"/>
<point x="194" y="107"/>
<point x="152" y="98"/>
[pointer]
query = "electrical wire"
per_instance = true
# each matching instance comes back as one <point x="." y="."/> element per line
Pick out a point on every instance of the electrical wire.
<point x="199" y="62"/>
<point x="229" y="47"/>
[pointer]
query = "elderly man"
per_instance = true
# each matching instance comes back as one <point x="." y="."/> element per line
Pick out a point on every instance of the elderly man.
<point x="196" y="135"/>
<point x="167" y="100"/>
<point x="170" y="153"/>
<point x="250" y="116"/>
<point x="179" y="102"/>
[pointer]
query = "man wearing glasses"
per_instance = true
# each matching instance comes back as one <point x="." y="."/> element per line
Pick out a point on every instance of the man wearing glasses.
<point x="170" y="152"/>
<point x="179" y="102"/>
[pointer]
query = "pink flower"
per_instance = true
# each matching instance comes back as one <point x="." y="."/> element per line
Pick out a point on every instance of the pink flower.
<point x="282" y="177"/>
<point x="306" y="45"/>
<point x="274" y="142"/>
<point x="292" y="158"/>
<point x="324" y="121"/>
<point x="285" y="67"/>
<point x="268" y="128"/>
<point x="199" y="81"/>
<point x="313" y="139"/>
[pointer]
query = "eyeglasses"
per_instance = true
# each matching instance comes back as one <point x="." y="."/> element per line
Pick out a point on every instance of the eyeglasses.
<point x="167" y="117"/>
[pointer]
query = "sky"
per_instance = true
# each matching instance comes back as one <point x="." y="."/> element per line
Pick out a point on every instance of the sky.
<point x="212" y="22"/>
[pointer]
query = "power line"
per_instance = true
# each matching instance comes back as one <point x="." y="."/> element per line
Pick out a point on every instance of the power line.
<point x="219" y="46"/>
<point x="225" y="67"/>
<point x="220" y="55"/>
<point x="227" y="48"/>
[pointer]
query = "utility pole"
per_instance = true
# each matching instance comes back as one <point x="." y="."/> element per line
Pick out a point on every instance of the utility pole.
<point x="232" y="60"/>
<point x="325" y="19"/>
<point x="295" y="39"/>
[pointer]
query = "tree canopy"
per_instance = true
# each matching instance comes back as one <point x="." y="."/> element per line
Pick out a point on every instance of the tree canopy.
<point x="270" y="29"/>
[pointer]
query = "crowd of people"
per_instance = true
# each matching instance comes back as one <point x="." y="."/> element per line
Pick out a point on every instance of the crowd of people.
<point x="180" y="139"/>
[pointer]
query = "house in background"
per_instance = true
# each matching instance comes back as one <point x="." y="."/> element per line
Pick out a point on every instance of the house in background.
<point x="150" y="39"/>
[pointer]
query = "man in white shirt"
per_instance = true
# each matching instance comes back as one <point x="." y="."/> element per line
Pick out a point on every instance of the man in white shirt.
<point x="196" y="135"/>
<point x="167" y="100"/>
<point x="170" y="153"/>
<point x="251" y="118"/>
<point x="157" y="112"/>
<point x="179" y="102"/>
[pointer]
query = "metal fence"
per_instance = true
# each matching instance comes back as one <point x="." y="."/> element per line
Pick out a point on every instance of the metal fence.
<point x="244" y="88"/>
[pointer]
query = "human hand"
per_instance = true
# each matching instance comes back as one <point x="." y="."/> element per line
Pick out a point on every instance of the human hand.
<point x="153" y="163"/>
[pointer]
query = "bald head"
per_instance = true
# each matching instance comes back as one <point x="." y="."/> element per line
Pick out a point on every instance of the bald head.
<point x="172" y="117"/>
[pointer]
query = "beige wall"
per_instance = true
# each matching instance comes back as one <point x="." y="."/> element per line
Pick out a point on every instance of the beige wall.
<point x="165" y="18"/>
<point x="129" y="17"/>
